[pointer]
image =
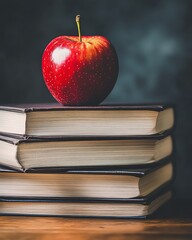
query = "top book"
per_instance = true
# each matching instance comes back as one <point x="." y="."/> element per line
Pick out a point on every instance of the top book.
<point x="103" y="120"/>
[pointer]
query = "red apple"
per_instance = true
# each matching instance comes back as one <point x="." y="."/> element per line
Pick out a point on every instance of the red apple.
<point x="80" y="70"/>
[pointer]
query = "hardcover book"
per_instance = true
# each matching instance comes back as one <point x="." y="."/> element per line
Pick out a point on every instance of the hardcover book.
<point x="101" y="183"/>
<point x="128" y="208"/>
<point x="25" y="153"/>
<point x="108" y="120"/>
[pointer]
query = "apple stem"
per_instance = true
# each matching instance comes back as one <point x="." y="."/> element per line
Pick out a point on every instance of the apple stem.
<point x="78" y="27"/>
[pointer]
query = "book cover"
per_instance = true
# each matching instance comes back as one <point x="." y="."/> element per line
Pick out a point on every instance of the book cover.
<point x="133" y="170"/>
<point x="59" y="107"/>
<point x="17" y="139"/>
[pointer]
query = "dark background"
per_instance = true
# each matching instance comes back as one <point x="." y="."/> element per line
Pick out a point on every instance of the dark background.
<point x="153" y="40"/>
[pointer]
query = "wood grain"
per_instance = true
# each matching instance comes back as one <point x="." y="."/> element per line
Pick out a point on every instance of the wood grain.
<point x="172" y="222"/>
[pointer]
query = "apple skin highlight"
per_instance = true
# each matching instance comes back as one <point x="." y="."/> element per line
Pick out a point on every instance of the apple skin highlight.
<point x="80" y="72"/>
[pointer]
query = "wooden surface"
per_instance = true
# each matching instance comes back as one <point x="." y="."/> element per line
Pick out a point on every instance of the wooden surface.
<point x="173" y="221"/>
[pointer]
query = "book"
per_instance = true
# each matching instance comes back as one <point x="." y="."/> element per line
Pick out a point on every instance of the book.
<point x="129" y="208"/>
<point x="25" y="153"/>
<point x="101" y="183"/>
<point x="104" y="120"/>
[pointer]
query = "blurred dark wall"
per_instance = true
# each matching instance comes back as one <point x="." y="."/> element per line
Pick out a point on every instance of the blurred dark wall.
<point x="153" y="40"/>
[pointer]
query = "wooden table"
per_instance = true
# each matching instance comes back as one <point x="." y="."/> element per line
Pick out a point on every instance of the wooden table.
<point x="173" y="221"/>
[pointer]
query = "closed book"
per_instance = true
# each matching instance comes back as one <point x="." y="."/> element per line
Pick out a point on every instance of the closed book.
<point x="103" y="120"/>
<point x="90" y="183"/>
<point x="26" y="153"/>
<point x="116" y="208"/>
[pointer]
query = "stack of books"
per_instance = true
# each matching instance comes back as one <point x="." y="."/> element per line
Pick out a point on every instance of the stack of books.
<point x="100" y="161"/>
